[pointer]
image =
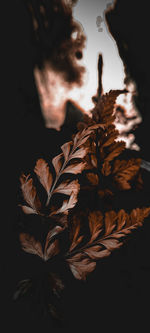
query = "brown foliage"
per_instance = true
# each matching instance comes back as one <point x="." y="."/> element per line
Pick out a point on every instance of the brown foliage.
<point x="107" y="234"/>
<point x="30" y="195"/>
<point x="104" y="110"/>
<point x="30" y="245"/>
<point x="124" y="171"/>
<point x="93" y="233"/>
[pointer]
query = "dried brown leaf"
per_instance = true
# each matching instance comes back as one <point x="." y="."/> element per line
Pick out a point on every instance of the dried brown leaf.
<point x="116" y="149"/>
<point x="124" y="171"/>
<point x="67" y="187"/>
<point x="66" y="147"/>
<point x="42" y="171"/>
<point x="29" y="193"/>
<point x="93" y="178"/>
<point x="28" y="210"/>
<point x="30" y="245"/>
<point x="51" y="250"/>
<point x="122" y="219"/>
<point x="139" y="181"/>
<point x="67" y="204"/>
<point x="103" y="112"/>
<point x="110" y="222"/>
<point x="111" y="243"/>
<point x="95" y="224"/>
<point x="74" y="168"/>
<point x="97" y="252"/>
<point x="75" y="232"/>
<point x="139" y="214"/>
<point x="53" y="232"/>
<point x="57" y="163"/>
<point x="80" y="153"/>
<point x="80" y="269"/>
<point x="106" y="168"/>
<point x="110" y="138"/>
<point x="81" y="137"/>
<point x="82" y="262"/>
<point x="93" y="160"/>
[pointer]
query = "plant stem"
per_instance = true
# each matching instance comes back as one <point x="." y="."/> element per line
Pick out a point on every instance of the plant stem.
<point x="59" y="174"/>
<point x="98" y="158"/>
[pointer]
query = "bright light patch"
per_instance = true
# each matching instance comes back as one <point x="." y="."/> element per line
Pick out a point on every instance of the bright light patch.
<point x="91" y="15"/>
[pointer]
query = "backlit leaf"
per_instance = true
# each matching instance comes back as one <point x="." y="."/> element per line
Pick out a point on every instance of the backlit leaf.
<point x="30" y="245"/>
<point x="66" y="149"/>
<point x="95" y="224"/>
<point x="44" y="175"/>
<point x="110" y="219"/>
<point x="67" y="187"/>
<point x="106" y="168"/>
<point x="57" y="163"/>
<point x="93" y="178"/>
<point x="80" y="269"/>
<point x="75" y="232"/>
<point x="28" y="210"/>
<point x="75" y="168"/>
<point x="29" y="192"/>
<point x="51" y="250"/>
<point x="116" y="150"/>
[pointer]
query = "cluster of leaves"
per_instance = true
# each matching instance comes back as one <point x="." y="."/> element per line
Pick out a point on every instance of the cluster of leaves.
<point x="107" y="233"/>
<point x="103" y="163"/>
<point x="87" y="164"/>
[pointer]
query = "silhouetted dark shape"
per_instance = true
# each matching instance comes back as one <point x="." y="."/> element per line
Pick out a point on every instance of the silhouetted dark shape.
<point x="116" y="283"/>
<point x="128" y="23"/>
<point x="100" y="84"/>
<point x="52" y="27"/>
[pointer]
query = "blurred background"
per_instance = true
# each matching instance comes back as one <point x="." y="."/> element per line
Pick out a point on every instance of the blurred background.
<point x="116" y="55"/>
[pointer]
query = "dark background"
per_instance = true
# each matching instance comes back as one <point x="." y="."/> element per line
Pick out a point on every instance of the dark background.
<point x="119" y="288"/>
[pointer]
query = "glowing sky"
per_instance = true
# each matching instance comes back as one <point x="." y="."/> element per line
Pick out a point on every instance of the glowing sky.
<point x="99" y="40"/>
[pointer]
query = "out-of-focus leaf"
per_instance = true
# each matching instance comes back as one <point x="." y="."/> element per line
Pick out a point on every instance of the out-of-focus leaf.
<point x="28" y="210"/>
<point x="110" y="219"/>
<point x="124" y="171"/>
<point x="103" y="111"/>
<point x="51" y="250"/>
<point x="93" y="178"/>
<point x="110" y="138"/>
<point x="75" y="232"/>
<point x="122" y="219"/>
<point x="80" y="269"/>
<point x="30" y="245"/>
<point x="93" y="160"/>
<point x="105" y="193"/>
<point x="54" y="311"/>
<point x="95" y="224"/>
<point x="139" y="214"/>
<point x="106" y="168"/>
<point x="56" y="284"/>
<point x="53" y="232"/>
<point x="22" y="289"/>
<point x="111" y="244"/>
<point x="116" y="149"/>
<point x="97" y="252"/>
